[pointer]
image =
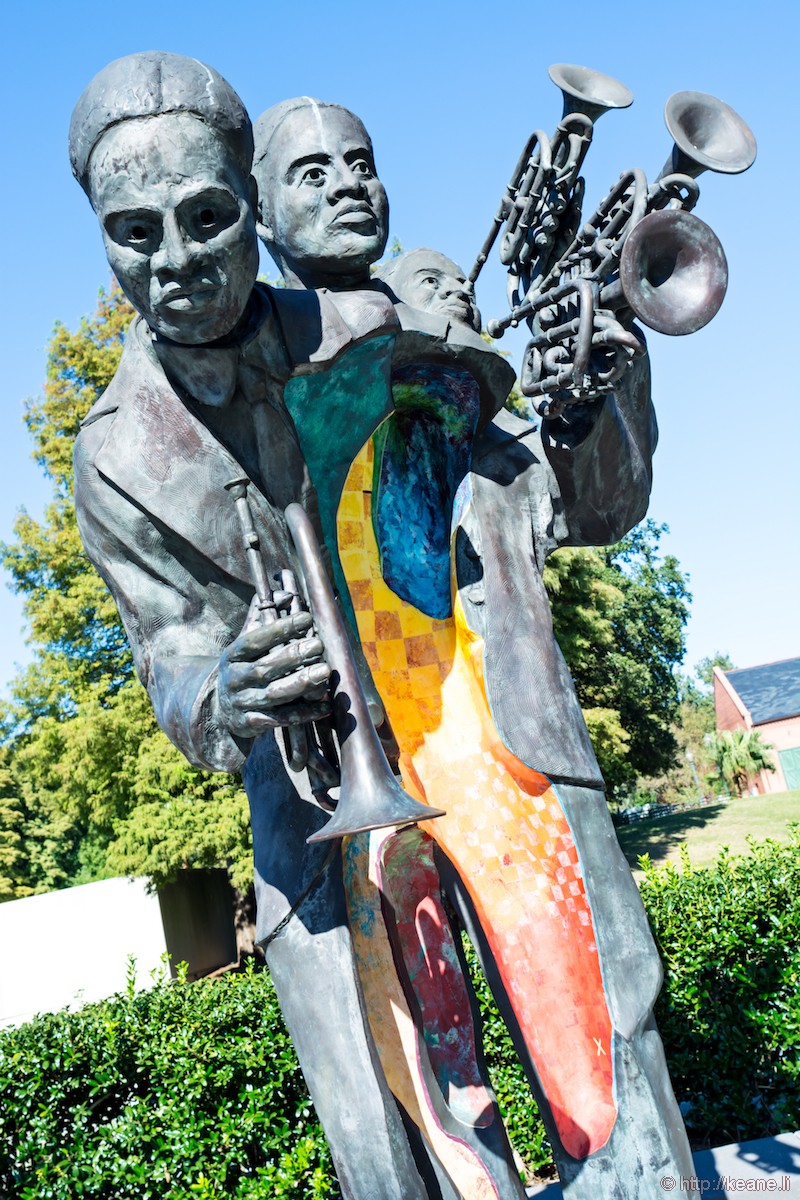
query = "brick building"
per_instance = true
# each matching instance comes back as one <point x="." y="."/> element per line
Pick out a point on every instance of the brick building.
<point x="766" y="698"/>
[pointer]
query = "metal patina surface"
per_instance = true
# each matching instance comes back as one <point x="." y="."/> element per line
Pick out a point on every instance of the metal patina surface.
<point x="369" y="409"/>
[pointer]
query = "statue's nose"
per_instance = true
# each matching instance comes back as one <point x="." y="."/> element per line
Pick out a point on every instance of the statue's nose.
<point x="452" y="288"/>
<point x="346" y="182"/>
<point x="176" y="250"/>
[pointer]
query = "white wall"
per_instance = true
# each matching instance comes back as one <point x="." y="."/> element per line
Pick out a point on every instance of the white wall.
<point x="72" y="947"/>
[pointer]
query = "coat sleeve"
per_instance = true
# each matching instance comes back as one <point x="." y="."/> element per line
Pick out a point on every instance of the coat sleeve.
<point x="602" y="460"/>
<point x="177" y="616"/>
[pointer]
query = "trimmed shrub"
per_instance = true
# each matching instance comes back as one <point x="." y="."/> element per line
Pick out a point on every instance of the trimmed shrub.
<point x="729" y="1012"/>
<point x="188" y="1090"/>
<point x="193" y="1091"/>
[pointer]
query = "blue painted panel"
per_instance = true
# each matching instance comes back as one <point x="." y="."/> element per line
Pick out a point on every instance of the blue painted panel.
<point x="423" y="453"/>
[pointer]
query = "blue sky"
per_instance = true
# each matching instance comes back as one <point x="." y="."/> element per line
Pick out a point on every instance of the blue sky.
<point x="449" y="92"/>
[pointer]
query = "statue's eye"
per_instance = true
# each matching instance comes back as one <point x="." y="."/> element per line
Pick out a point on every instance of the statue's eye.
<point x="362" y="167"/>
<point x="204" y="217"/>
<point x="135" y="230"/>
<point x="431" y="281"/>
<point x="314" y="176"/>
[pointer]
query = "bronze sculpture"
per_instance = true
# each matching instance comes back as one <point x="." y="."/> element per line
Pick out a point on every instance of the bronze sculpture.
<point x="222" y="387"/>
<point x="324" y="215"/>
<point x="152" y="463"/>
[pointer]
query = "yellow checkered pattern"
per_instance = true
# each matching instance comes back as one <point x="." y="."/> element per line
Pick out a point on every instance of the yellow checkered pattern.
<point x="409" y="653"/>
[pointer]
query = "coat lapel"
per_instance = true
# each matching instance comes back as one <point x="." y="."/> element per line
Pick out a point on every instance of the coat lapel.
<point x="164" y="458"/>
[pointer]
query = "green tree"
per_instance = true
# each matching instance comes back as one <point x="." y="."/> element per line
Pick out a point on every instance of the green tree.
<point x="705" y="672"/>
<point x="89" y="786"/>
<point x="693" y="773"/>
<point x="738" y="754"/>
<point x="74" y="625"/>
<point x="649" y="644"/>
<point x="619" y="615"/>
<point x="13" y="863"/>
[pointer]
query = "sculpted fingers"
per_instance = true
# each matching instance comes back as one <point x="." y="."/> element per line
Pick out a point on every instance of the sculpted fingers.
<point x="283" y="660"/>
<point x="307" y="683"/>
<point x="259" y="640"/>
<point x="273" y="674"/>
<point x="299" y="713"/>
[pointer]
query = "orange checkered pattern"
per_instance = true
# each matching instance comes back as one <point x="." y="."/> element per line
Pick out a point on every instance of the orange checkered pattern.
<point x="505" y="829"/>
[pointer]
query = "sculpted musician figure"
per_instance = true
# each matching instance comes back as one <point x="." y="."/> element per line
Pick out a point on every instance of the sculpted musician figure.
<point x="372" y="405"/>
<point x="163" y="147"/>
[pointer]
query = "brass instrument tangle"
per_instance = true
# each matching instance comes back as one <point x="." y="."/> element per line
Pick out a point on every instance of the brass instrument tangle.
<point x="542" y="203"/>
<point x="642" y="254"/>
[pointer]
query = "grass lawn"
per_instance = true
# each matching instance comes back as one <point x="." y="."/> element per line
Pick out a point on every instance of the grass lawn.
<point x="706" y="830"/>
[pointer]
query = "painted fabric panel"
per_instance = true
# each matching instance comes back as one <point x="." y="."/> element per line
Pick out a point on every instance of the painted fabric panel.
<point x="505" y="829"/>
<point x="405" y="1062"/>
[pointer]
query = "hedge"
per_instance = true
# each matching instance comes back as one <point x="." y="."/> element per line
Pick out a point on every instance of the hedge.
<point x="729" y="1012"/>
<point x="193" y="1091"/>
<point x="188" y="1090"/>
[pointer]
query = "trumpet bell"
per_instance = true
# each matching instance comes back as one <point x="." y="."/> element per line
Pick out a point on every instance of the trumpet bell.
<point x="379" y="804"/>
<point x="673" y="272"/>
<point x="589" y="92"/>
<point x="709" y="136"/>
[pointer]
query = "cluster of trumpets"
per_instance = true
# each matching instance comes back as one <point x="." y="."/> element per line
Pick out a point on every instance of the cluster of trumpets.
<point x="642" y="254"/>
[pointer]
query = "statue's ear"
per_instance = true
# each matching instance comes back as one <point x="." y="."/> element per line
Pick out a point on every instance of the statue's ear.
<point x="252" y="188"/>
<point x="263" y="228"/>
<point x="264" y="232"/>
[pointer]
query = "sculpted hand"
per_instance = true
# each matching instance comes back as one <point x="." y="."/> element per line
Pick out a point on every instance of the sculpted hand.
<point x="273" y="674"/>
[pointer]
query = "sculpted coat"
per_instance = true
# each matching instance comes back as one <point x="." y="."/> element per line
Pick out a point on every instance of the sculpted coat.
<point x="155" y="518"/>
<point x="158" y="524"/>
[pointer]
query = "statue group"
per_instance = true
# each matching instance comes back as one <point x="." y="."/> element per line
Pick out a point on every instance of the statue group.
<point x="325" y="536"/>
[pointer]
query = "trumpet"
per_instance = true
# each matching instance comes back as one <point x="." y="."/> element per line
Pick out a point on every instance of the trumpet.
<point x="642" y="254"/>
<point x="370" y="796"/>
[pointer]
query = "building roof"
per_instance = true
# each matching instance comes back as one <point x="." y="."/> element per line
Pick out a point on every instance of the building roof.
<point x="770" y="692"/>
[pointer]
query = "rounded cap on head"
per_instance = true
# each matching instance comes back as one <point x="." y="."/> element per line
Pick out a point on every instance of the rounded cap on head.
<point x="267" y="125"/>
<point x="149" y="84"/>
<point x="391" y="268"/>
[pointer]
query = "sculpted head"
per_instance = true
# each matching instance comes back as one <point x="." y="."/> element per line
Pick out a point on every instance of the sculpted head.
<point x="429" y="280"/>
<point x="323" y="212"/>
<point x="162" y="146"/>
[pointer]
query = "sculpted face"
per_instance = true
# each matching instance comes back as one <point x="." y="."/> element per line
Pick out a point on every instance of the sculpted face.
<point x="428" y="280"/>
<point x="177" y="223"/>
<point x="324" y="211"/>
